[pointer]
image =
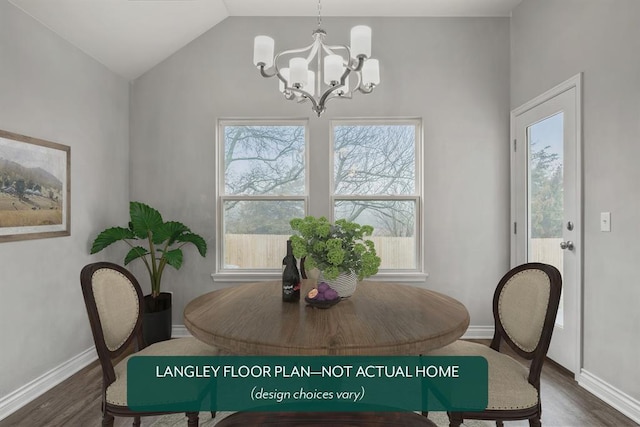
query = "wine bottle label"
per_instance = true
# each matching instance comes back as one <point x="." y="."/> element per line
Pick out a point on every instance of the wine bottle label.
<point x="290" y="276"/>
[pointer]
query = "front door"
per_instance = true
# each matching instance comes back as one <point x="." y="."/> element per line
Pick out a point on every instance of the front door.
<point x="546" y="200"/>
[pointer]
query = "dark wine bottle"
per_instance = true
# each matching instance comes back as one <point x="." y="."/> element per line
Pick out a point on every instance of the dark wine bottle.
<point x="290" y="277"/>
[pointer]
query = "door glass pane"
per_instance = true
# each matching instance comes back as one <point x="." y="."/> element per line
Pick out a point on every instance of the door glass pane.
<point x="546" y="212"/>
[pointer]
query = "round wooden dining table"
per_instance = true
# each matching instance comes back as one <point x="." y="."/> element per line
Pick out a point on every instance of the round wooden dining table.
<point x="380" y="318"/>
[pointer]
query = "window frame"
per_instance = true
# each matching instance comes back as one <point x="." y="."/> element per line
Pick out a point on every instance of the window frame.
<point x="221" y="275"/>
<point x="244" y="274"/>
<point x="415" y="274"/>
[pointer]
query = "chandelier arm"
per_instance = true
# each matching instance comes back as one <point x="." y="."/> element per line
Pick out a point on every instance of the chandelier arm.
<point x="291" y="52"/>
<point x="359" y="62"/>
<point x="333" y="95"/>
<point x="302" y="49"/>
<point x="343" y="80"/>
<point x="303" y="94"/>
<point x="328" y="92"/>
<point x="277" y="68"/>
<point x="348" y="71"/>
<point x="358" y="66"/>
<point x="329" y="50"/>
<point x="348" y="92"/>
<point x="264" y="72"/>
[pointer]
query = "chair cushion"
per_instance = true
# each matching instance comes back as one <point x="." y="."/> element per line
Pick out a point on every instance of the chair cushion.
<point x="117" y="391"/>
<point x="508" y="385"/>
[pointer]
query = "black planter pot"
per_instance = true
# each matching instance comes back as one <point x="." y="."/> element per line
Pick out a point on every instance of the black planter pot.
<point x="156" y="319"/>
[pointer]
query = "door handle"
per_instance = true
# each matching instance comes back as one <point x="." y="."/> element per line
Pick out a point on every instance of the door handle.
<point x="567" y="245"/>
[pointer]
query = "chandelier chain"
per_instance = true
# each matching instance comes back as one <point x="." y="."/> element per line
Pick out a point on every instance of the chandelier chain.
<point x="319" y="16"/>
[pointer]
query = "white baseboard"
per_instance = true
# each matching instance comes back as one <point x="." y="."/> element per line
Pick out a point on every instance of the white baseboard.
<point x="609" y="394"/>
<point x="180" y="331"/>
<point x="478" y="333"/>
<point x="28" y="392"/>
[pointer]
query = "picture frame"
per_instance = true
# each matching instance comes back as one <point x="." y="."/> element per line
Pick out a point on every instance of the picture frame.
<point x="35" y="188"/>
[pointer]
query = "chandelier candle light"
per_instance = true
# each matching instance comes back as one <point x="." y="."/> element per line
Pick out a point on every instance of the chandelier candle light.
<point x="332" y="70"/>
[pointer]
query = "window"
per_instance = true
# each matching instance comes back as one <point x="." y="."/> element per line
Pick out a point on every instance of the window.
<point x="375" y="182"/>
<point x="264" y="182"/>
<point x="262" y="185"/>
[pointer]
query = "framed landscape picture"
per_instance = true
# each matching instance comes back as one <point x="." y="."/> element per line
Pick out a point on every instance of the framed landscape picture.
<point x="35" y="193"/>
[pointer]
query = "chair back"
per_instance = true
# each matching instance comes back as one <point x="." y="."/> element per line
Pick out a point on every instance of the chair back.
<point x="525" y="305"/>
<point x="113" y="299"/>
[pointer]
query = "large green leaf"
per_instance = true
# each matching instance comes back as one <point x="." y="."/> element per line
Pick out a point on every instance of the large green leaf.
<point x="174" y="258"/>
<point x="196" y="240"/>
<point x="109" y="236"/>
<point x="170" y="230"/>
<point x="144" y="219"/>
<point x="135" y="253"/>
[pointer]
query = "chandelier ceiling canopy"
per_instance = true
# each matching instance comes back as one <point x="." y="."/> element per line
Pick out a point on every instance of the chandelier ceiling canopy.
<point x="320" y="72"/>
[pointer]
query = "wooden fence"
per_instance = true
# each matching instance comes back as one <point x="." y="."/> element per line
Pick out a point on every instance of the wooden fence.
<point x="547" y="251"/>
<point x="267" y="251"/>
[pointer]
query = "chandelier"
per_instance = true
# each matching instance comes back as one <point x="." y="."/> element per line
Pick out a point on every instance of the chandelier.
<point x="336" y="67"/>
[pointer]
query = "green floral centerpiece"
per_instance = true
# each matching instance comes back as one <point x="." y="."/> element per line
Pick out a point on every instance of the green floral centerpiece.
<point x="336" y="248"/>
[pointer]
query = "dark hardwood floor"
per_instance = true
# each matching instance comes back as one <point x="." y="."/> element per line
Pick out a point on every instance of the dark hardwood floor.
<point x="76" y="402"/>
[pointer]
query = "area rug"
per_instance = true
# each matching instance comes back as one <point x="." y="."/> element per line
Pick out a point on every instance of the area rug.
<point x="180" y="420"/>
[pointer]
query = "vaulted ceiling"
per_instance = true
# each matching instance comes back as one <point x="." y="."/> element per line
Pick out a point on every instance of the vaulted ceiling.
<point x="132" y="36"/>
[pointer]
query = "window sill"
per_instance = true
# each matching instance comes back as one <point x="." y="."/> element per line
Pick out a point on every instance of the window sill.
<point x="245" y="277"/>
<point x="414" y="278"/>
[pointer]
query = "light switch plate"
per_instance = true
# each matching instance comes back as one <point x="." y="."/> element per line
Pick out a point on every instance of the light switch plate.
<point x="605" y="221"/>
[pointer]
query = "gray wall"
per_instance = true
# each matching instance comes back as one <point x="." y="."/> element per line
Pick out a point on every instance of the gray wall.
<point x="552" y="41"/>
<point x="51" y="90"/>
<point x="452" y="73"/>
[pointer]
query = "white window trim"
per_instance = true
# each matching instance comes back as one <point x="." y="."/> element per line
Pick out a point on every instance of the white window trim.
<point x="223" y="276"/>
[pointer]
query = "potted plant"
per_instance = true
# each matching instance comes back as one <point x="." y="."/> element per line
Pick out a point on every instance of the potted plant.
<point x="340" y="251"/>
<point x="162" y="246"/>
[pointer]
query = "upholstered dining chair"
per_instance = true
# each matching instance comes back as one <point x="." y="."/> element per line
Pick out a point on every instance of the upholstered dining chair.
<point x="114" y="304"/>
<point x="525" y="305"/>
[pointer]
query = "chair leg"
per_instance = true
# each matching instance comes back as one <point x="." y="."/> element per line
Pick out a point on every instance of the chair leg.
<point x="425" y="414"/>
<point x="213" y="414"/>
<point x="107" y="420"/>
<point x="136" y="421"/>
<point x="455" y="419"/>
<point x="499" y="423"/>
<point x="192" y="419"/>
<point x="535" y="422"/>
